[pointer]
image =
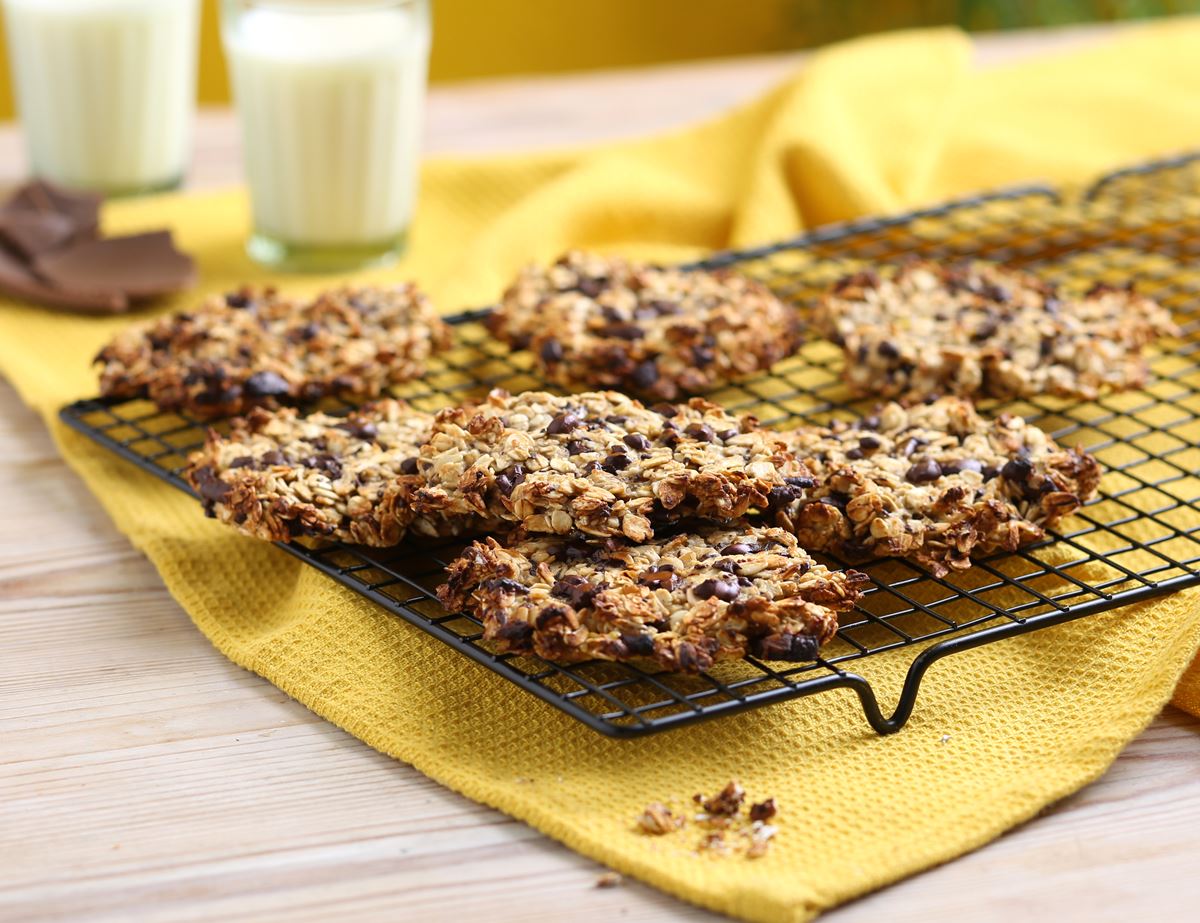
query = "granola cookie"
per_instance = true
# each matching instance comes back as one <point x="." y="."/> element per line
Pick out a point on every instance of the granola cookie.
<point x="279" y="476"/>
<point x="979" y="329"/>
<point x="717" y="593"/>
<point x="601" y="463"/>
<point x="936" y="483"/>
<point x="257" y="348"/>
<point x="604" y="322"/>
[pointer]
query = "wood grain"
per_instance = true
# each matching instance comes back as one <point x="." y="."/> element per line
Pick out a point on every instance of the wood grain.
<point x="143" y="776"/>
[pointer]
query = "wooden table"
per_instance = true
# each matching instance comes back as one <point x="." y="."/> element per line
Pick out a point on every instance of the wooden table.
<point x="143" y="776"/>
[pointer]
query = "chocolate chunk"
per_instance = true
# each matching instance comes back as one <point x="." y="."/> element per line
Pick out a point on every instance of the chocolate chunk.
<point x="1016" y="469"/>
<point x="723" y="589"/>
<point x="662" y="578"/>
<point x="924" y="471"/>
<point x="962" y="464"/>
<point x="703" y="355"/>
<point x="360" y="429"/>
<point x="763" y="811"/>
<point x="563" y="423"/>
<point x="140" y="266"/>
<point x="637" y="441"/>
<point x="578" y="446"/>
<point x="516" y="634"/>
<point x="666" y="410"/>
<point x="726" y="434"/>
<point x="622" y="331"/>
<point x="785" y="647"/>
<point x="575" y="590"/>
<point x="267" y="384"/>
<point x="645" y="373"/>
<point x="212" y="489"/>
<point x="888" y="350"/>
<point x="409" y="465"/>
<point x="868" y="443"/>
<point x="551" y="350"/>
<point x="614" y="463"/>
<point x="591" y="287"/>
<point x="274" y="457"/>
<point x="701" y="432"/>
<point x="242" y="461"/>
<point x="740" y="548"/>
<point x="642" y="645"/>
<point x="509" y="478"/>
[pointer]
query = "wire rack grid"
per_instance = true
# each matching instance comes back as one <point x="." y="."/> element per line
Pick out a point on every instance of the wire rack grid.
<point x="1139" y="539"/>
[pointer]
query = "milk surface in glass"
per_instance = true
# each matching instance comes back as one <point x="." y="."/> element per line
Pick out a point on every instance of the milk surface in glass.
<point x="330" y="98"/>
<point x="105" y="89"/>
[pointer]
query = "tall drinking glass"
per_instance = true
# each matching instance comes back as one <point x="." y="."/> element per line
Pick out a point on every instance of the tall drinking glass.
<point x="106" y="89"/>
<point x="331" y="98"/>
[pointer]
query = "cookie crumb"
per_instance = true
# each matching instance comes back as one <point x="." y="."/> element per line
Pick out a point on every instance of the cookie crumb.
<point x="657" y="819"/>
<point x="608" y="880"/>
<point x="727" y="802"/>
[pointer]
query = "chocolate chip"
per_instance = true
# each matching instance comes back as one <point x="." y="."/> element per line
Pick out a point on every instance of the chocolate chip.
<point x="726" y="434"/>
<point x="237" y="300"/>
<point x="409" y="465"/>
<point x="763" y="811"/>
<point x="274" y="457"/>
<point x="506" y="585"/>
<point x="888" y="350"/>
<point x="664" y="409"/>
<point x="592" y="287"/>
<point x="724" y="589"/>
<point x="267" y="384"/>
<point x="868" y="443"/>
<point x="509" y="478"/>
<point x="661" y="578"/>
<point x="800" y="483"/>
<point x="615" y="420"/>
<point x="563" y="423"/>
<point x="854" y="454"/>
<point x="551" y="351"/>
<point x="637" y="441"/>
<point x="989" y="329"/>
<point x="703" y="355"/>
<point x="989" y="472"/>
<point x="516" y="634"/>
<point x="578" y="447"/>
<point x="360" y="429"/>
<point x="701" y="432"/>
<point x="639" y="645"/>
<point x="871" y="422"/>
<point x="575" y="590"/>
<point x="242" y="461"/>
<point x="615" y="463"/>
<point x="645" y="373"/>
<point x="308" y="331"/>
<point x="923" y="472"/>
<point x="212" y="489"/>
<point x="623" y="331"/>
<point x="1016" y="469"/>
<point x="911" y="446"/>
<point x="962" y="464"/>
<point x="740" y="548"/>
<point x="785" y="647"/>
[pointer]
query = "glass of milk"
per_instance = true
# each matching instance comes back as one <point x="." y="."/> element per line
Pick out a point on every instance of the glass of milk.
<point x="105" y="89"/>
<point x="330" y="95"/>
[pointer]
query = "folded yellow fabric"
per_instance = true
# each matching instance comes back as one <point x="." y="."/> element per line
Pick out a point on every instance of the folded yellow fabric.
<point x="871" y="126"/>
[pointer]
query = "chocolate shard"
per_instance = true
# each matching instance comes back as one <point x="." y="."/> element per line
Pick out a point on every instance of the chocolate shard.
<point x="142" y="266"/>
<point x="17" y="281"/>
<point x="31" y="232"/>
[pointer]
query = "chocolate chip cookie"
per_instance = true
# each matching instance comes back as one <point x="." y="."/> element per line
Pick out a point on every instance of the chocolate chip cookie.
<point x="257" y="348"/>
<point x="717" y="593"/>
<point x="604" y="322"/>
<point x="936" y="482"/>
<point x="979" y="329"/>
<point x="601" y="463"/>
<point x="279" y="476"/>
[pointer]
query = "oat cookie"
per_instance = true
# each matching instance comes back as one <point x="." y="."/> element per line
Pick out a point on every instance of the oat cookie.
<point x="937" y="483"/>
<point x="601" y="463"/>
<point x="603" y="322"/>
<point x="717" y="593"/>
<point x="979" y="329"/>
<point x="279" y="476"/>
<point x="258" y="348"/>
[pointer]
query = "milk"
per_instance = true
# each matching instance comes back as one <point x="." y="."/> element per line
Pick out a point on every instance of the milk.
<point x="105" y="89"/>
<point x="330" y="99"/>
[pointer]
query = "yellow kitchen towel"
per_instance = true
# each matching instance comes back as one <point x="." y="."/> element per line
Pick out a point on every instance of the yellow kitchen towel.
<point x="871" y="126"/>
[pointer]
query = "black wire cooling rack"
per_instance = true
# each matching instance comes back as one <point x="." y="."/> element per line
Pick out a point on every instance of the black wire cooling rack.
<point x="1139" y="539"/>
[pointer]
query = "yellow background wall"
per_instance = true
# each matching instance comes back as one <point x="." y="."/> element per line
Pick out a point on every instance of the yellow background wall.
<point x="479" y="38"/>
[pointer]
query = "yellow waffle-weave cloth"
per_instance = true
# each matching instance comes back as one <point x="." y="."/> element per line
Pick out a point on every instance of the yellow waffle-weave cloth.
<point x="871" y="126"/>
